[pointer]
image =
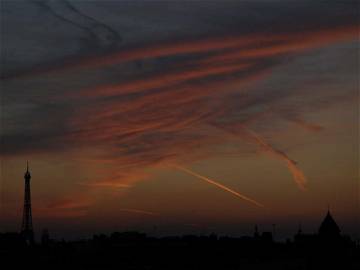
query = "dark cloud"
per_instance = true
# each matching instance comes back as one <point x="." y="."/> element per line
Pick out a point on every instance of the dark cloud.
<point x="50" y="42"/>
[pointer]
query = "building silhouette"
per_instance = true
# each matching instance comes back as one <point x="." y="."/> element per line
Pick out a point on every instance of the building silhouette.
<point x="137" y="250"/>
<point x="329" y="228"/>
<point x="27" y="227"/>
<point x="325" y="248"/>
<point x="327" y="237"/>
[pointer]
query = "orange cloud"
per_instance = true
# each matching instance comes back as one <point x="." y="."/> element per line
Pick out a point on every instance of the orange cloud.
<point x="306" y="125"/>
<point x="291" y="43"/>
<point x="163" y="80"/>
<point x="111" y="184"/>
<point x="65" y="208"/>
<point x="229" y="59"/>
<point x="111" y="177"/>
<point x="225" y="48"/>
<point x="69" y="204"/>
<point x="161" y="117"/>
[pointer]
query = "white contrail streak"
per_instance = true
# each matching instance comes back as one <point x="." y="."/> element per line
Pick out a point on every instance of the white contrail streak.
<point x="213" y="182"/>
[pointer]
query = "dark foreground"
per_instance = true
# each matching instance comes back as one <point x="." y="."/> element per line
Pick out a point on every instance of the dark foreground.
<point x="132" y="250"/>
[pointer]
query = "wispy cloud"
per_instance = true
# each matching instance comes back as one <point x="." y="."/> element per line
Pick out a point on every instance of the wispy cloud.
<point x="306" y="125"/>
<point x="165" y="113"/>
<point x="239" y="129"/>
<point x="298" y="175"/>
<point x="115" y="178"/>
<point x="214" y="49"/>
<point x="65" y="208"/>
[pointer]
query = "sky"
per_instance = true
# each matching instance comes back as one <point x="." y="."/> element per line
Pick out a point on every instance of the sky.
<point x="177" y="117"/>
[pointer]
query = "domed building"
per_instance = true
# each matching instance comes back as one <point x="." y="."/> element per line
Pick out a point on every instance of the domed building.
<point x="328" y="233"/>
<point x="328" y="228"/>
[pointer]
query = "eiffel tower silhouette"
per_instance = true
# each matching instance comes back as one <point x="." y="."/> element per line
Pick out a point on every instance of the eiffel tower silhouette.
<point x="27" y="227"/>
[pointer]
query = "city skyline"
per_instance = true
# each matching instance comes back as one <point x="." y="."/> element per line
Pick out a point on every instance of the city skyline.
<point x="28" y="233"/>
<point x="180" y="118"/>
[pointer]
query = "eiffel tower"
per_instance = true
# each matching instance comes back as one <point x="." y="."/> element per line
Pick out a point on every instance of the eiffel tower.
<point x="26" y="227"/>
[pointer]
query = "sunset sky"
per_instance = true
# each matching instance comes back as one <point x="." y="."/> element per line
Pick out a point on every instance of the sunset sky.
<point x="175" y="117"/>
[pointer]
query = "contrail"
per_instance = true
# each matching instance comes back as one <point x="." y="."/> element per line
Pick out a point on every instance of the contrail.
<point x="210" y="181"/>
<point x="298" y="175"/>
<point x="138" y="211"/>
<point x="112" y="35"/>
<point x="100" y="34"/>
<point x="45" y="5"/>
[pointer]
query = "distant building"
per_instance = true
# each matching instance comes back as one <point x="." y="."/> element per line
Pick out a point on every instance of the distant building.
<point x="256" y="232"/>
<point x="328" y="234"/>
<point x="328" y="228"/>
<point x="267" y="237"/>
<point x="45" y="237"/>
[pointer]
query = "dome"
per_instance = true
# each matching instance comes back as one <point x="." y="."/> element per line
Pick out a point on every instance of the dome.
<point x="329" y="227"/>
